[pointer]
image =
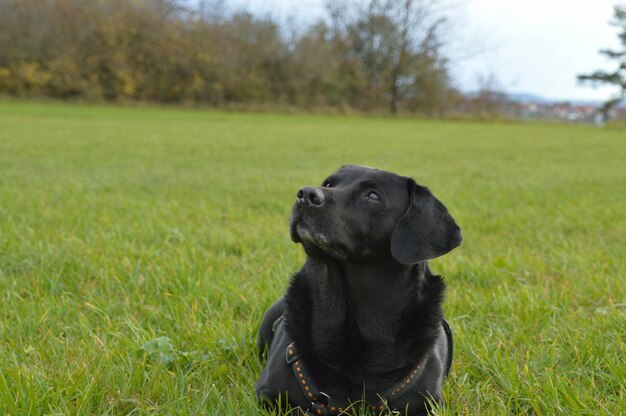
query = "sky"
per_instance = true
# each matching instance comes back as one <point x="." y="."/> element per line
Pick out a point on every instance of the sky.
<point x="528" y="46"/>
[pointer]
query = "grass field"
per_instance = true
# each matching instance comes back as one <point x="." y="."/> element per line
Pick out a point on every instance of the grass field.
<point x="122" y="225"/>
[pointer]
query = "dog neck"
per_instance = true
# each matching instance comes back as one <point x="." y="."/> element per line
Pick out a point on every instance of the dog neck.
<point x="376" y="294"/>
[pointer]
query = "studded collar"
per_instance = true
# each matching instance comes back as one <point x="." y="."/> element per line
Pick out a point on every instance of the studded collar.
<point x="322" y="404"/>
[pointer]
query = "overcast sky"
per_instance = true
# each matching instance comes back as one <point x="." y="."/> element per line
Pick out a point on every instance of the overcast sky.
<point x="531" y="46"/>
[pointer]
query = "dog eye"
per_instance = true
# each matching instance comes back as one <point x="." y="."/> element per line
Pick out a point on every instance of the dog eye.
<point x="326" y="184"/>
<point x="373" y="196"/>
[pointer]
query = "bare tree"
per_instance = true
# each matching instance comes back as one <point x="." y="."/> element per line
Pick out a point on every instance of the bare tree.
<point x="391" y="40"/>
<point x="490" y="100"/>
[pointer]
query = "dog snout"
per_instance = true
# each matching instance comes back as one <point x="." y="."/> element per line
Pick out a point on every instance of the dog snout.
<point x="310" y="196"/>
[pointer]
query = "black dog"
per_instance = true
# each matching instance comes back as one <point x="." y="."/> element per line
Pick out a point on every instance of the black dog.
<point x="362" y="320"/>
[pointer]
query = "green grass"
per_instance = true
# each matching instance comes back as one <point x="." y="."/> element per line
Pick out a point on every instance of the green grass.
<point x="122" y="225"/>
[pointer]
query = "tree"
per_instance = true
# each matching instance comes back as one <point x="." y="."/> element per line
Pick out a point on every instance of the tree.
<point x="396" y="45"/>
<point x="490" y="100"/>
<point x="618" y="76"/>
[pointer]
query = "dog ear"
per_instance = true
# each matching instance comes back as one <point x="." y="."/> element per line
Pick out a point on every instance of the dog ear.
<point x="426" y="230"/>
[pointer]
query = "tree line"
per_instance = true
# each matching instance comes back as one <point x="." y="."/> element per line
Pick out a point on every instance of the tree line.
<point x="376" y="55"/>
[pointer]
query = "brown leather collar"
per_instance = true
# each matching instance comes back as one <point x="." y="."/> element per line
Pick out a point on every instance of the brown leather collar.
<point x="324" y="405"/>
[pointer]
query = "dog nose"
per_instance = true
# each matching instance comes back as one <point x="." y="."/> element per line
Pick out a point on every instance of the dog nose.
<point x="310" y="196"/>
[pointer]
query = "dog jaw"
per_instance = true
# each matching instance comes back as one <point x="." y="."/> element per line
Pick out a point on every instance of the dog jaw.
<point x="312" y="239"/>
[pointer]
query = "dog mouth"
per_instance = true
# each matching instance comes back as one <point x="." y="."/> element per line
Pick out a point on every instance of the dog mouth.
<point x="312" y="238"/>
<point x="301" y="232"/>
<point x="307" y="236"/>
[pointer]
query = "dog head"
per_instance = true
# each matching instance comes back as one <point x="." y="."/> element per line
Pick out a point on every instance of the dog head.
<point x="361" y="213"/>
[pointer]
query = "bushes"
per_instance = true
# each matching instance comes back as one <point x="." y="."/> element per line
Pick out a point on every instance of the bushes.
<point x="158" y="50"/>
